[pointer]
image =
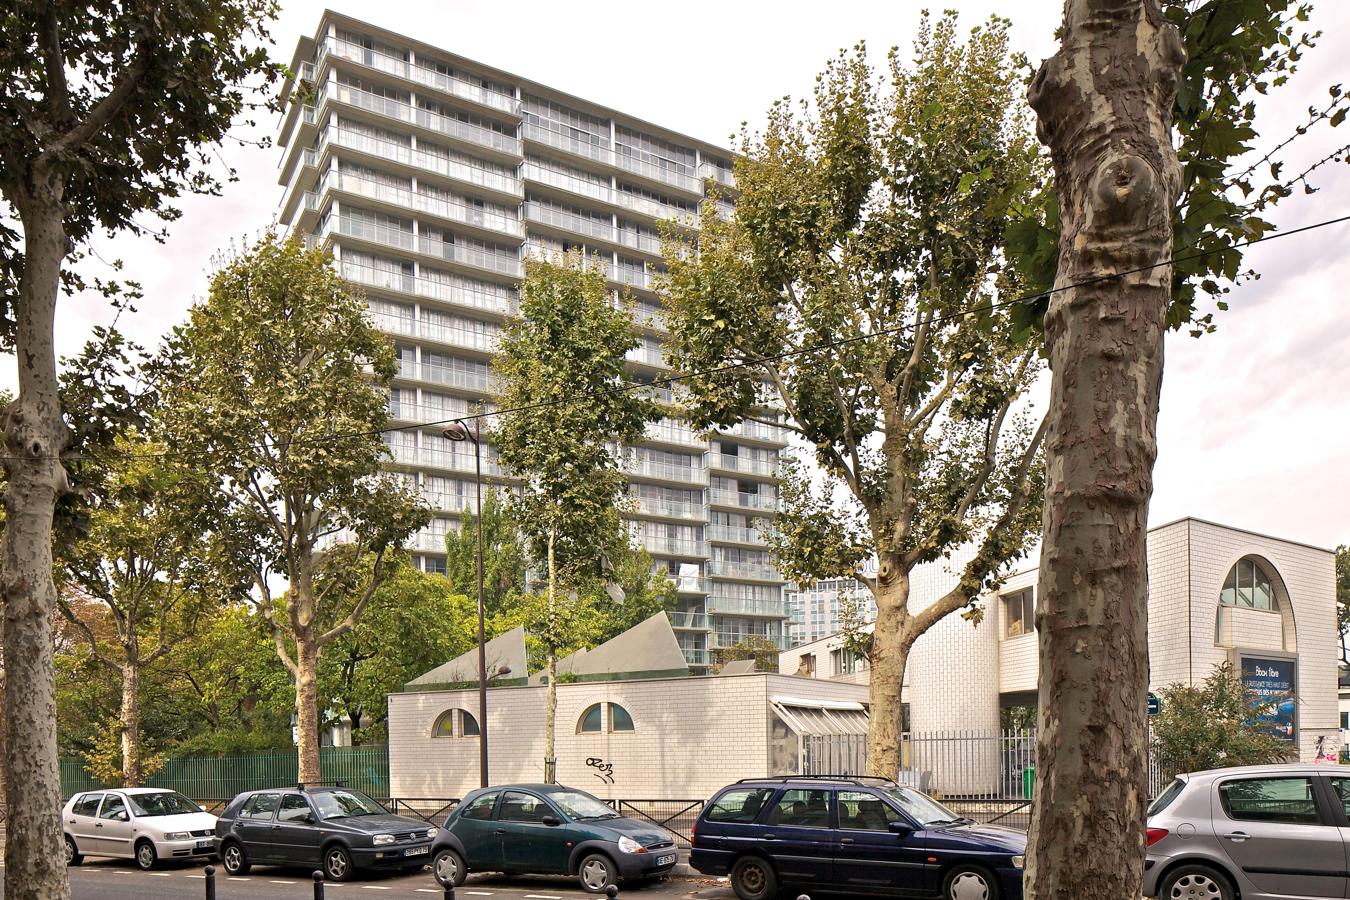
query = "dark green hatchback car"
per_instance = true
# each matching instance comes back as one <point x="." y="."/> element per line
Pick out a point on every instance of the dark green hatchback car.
<point x="547" y="829"/>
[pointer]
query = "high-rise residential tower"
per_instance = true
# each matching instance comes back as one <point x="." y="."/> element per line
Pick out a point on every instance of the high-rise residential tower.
<point x="431" y="177"/>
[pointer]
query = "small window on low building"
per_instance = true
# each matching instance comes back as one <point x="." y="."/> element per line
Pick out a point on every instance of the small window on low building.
<point x="592" y="720"/>
<point x="619" y="719"/>
<point x="445" y="725"/>
<point x="1019" y="613"/>
<point x="1247" y="586"/>
<point x="468" y="724"/>
<point x="455" y="723"/>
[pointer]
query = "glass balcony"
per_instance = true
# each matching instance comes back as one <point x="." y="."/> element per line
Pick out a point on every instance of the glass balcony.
<point x="445" y="334"/>
<point x="695" y="656"/>
<point x="689" y="621"/>
<point x="659" y="173"/>
<point x="652" y="468"/>
<point x="465" y="294"/>
<point x="670" y="509"/>
<point x="757" y="571"/>
<point x="673" y="546"/>
<point x="737" y="534"/>
<point x="743" y="500"/>
<point x="647" y="356"/>
<point x="744" y="464"/>
<point x="691" y="585"/>
<point x="454" y="503"/>
<point x="428" y="119"/>
<point x="736" y="606"/>
<point x="407" y="411"/>
<point x="655" y="208"/>
<point x="757" y="431"/>
<point x="569" y="183"/>
<point x="453" y="210"/>
<point x="633" y="276"/>
<point x="725" y="210"/>
<point x="471" y="256"/>
<point x="541" y="135"/>
<point x="443" y="459"/>
<point x="668" y="432"/>
<point x="465" y="90"/>
<point x="375" y="232"/>
<point x="380" y="278"/>
<point x="427" y="542"/>
<point x="437" y="374"/>
<point x="421" y="159"/>
<point x="723" y="176"/>
<point x="645" y="242"/>
<point x="558" y="218"/>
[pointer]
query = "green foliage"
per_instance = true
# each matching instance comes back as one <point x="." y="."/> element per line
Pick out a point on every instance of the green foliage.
<point x="103" y="761"/>
<point x="1239" y="53"/>
<point x="855" y="282"/>
<point x="1212" y="726"/>
<point x="762" y="650"/>
<point x="124" y="101"/>
<point x="503" y="555"/>
<point x="1343" y="597"/>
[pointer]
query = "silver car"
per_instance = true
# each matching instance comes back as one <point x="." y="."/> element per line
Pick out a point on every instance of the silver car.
<point x="1258" y="833"/>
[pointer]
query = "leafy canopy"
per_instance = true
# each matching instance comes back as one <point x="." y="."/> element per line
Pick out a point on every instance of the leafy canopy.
<point x="1213" y="725"/>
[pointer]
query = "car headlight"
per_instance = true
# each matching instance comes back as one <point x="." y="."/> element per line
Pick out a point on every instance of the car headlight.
<point x="432" y="832"/>
<point x="1019" y="862"/>
<point x="176" y="835"/>
<point x="628" y="845"/>
<point x="382" y="839"/>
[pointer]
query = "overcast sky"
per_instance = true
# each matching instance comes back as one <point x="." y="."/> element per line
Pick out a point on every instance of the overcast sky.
<point x="1255" y="418"/>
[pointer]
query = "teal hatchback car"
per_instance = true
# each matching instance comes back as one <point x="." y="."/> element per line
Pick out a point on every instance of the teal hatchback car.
<point x="548" y="829"/>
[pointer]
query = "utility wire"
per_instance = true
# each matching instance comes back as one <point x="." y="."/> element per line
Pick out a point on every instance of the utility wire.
<point x="761" y="360"/>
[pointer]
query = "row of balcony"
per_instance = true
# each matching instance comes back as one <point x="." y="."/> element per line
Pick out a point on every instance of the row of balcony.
<point x="396" y="238"/>
<point x="484" y="382"/>
<point x="407" y="155"/>
<point x="402" y="111"/>
<point x="410" y="71"/>
<point x="460" y="294"/>
<point x="416" y="201"/>
<point x="609" y="156"/>
<point x="724" y="568"/>
<point x="485" y="341"/>
<point x="431" y="457"/>
<point x="737" y="606"/>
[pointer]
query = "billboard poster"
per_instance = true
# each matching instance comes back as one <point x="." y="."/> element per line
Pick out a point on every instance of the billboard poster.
<point x="1273" y="682"/>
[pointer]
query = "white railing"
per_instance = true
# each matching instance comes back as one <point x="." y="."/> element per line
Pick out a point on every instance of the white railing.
<point x="745" y="464"/>
<point x="673" y="546"/>
<point x="691" y="585"/>
<point x="470" y="256"/>
<point x="737" y="606"/>
<point x="655" y="208"/>
<point x="583" y="225"/>
<point x="650" y="356"/>
<point x="445" y="334"/>
<point x="436" y="374"/>
<point x="668" y="432"/>
<point x="725" y="177"/>
<point x="671" y="509"/>
<point x="541" y="135"/>
<point x="632" y="275"/>
<point x="766" y="502"/>
<point x="669" y="471"/>
<point x="466" y="90"/>
<point x="433" y="121"/>
<point x="738" y="534"/>
<point x="406" y="411"/>
<point x="426" y="541"/>
<point x="421" y="159"/>
<point x="644" y="242"/>
<point x="375" y="232"/>
<point x="585" y="188"/>
<point x="688" y="621"/>
<point x="695" y="657"/>
<point x="465" y="295"/>
<point x="729" y="569"/>
<point x="757" y="431"/>
<point x="442" y="502"/>
<point x="453" y="210"/>
<point x="659" y="173"/>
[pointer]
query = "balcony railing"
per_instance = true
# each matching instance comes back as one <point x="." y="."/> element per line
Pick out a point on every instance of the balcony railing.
<point x="724" y="177"/>
<point x="743" y="500"/>
<point x="645" y="242"/>
<point x="442" y="459"/>
<point x="725" y="568"/>
<point x="746" y="464"/>
<point x="421" y="159"/>
<point x="448" y="502"/>
<point x="631" y="275"/>
<point x="406" y="411"/>
<point x="659" y="173"/>
<point x="695" y="657"/>
<point x="453" y="210"/>
<point x="668" y="432"/>
<point x="736" y="606"/>
<point x="648" y="356"/>
<point x="570" y="183"/>
<point x="758" y="431"/>
<point x="558" y="218"/>
<point x="736" y="534"/>
<point x="375" y="232"/>
<point x="461" y="294"/>
<point x="673" y="546"/>
<point x="655" y="208"/>
<point x="427" y="542"/>
<point x="691" y="585"/>
<point x="437" y="374"/>
<point x="445" y="334"/>
<point x="653" y="468"/>
<point x="671" y="509"/>
<point x="470" y="256"/>
<point x="428" y="119"/>
<point x="687" y="621"/>
<point x="541" y="135"/>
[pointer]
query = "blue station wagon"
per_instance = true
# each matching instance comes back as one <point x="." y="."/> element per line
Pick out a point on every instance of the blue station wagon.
<point x="859" y="836"/>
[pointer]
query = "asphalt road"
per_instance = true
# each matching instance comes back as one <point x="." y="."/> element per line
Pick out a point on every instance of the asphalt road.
<point x="99" y="879"/>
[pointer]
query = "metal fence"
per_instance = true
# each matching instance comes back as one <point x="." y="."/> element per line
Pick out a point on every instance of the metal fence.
<point x="215" y="778"/>
<point x="675" y="816"/>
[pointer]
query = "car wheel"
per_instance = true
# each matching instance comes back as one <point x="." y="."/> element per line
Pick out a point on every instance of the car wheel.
<point x="595" y="873"/>
<point x="753" y="878"/>
<point x="969" y="883"/>
<point x="73" y="855"/>
<point x="1195" y="883"/>
<point x="449" y="868"/>
<point x="233" y="858"/>
<point x="337" y="863"/>
<point x="146" y="857"/>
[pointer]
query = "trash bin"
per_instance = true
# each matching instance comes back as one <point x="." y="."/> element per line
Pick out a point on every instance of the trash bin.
<point x="1028" y="781"/>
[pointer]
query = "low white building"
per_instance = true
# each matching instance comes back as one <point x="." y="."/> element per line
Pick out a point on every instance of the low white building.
<point x="1216" y="594"/>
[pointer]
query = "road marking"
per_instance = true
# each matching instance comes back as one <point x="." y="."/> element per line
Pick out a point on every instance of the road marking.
<point x="162" y="874"/>
<point x="123" y="873"/>
<point x="274" y="881"/>
<point x="542" y="897"/>
<point x="432" y="891"/>
<point x="476" y="893"/>
<point x="373" y="887"/>
<point x="194" y="876"/>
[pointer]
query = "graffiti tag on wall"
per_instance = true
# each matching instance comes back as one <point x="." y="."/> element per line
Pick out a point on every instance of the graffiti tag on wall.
<point x="603" y="770"/>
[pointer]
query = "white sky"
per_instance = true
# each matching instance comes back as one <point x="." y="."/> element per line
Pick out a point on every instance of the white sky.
<point x="1255" y="419"/>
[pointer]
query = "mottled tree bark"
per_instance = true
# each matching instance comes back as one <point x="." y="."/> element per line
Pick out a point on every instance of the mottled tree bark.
<point x="1104" y="103"/>
<point x="551" y="698"/>
<point x="34" y="436"/>
<point x="307" y="708"/>
<point x="891" y="643"/>
<point x="131" y="725"/>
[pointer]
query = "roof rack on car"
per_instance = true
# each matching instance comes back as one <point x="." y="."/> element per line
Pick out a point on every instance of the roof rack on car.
<point x="301" y="785"/>
<point x="848" y="779"/>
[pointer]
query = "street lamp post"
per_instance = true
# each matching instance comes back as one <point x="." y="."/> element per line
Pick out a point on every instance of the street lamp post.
<point x="459" y="431"/>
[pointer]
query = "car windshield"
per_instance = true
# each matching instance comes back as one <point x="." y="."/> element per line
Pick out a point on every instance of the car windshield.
<point x="345" y="804"/>
<point x="582" y="806"/>
<point x="167" y="803"/>
<point x="921" y="807"/>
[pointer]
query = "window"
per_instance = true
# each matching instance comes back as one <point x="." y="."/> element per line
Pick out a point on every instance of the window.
<point x="445" y="724"/>
<point x="802" y="809"/>
<point x="1287" y="800"/>
<point x="808" y="665"/>
<point x="260" y="806"/>
<point x="1019" y="613"/>
<point x="619" y="719"/>
<point x="114" y="807"/>
<point x="294" y="808"/>
<point x="1342" y="786"/>
<point x="740" y="805"/>
<point x="592" y="721"/>
<point x="480" y="807"/>
<point x="1247" y="586"/>
<point x="162" y="803"/>
<point x="468" y="724"/>
<point x="87" y="805"/>
<point x="861" y="811"/>
<point x="1170" y="793"/>
<point x="455" y="722"/>
<point x="1345" y="721"/>
<point x="518" y="807"/>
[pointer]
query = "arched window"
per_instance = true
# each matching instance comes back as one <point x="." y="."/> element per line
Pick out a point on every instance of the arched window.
<point x="455" y="722"/>
<point x="1247" y="586"/>
<point x="619" y="719"/>
<point x="591" y="720"/>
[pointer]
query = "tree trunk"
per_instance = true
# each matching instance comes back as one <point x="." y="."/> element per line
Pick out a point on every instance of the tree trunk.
<point x="131" y="725"/>
<point x="891" y="644"/>
<point x="1104" y="103"/>
<point x="34" y="438"/>
<point x="307" y="708"/>
<point x="551" y="704"/>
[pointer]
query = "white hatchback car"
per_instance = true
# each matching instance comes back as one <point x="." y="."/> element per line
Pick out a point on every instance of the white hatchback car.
<point x="144" y="824"/>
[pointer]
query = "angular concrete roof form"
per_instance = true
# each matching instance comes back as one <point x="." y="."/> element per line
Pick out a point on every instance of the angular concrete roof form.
<point x="504" y="650"/>
<point x="649" y="648"/>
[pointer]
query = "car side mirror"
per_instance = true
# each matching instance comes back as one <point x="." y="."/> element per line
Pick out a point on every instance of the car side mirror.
<point x="552" y="821"/>
<point x="308" y="819"/>
<point x="901" y="828"/>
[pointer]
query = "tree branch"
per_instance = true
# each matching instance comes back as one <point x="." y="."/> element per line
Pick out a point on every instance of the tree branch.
<point x="89" y="636"/>
<point x="49" y="37"/>
<point x="377" y="576"/>
<point x="112" y="103"/>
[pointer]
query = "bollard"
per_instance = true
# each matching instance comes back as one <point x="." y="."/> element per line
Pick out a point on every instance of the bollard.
<point x="612" y="891"/>
<point x="318" y="884"/>
<point x="450" y="892"/>
<point x="210" y="872"/>
<point x="803" y="897"/>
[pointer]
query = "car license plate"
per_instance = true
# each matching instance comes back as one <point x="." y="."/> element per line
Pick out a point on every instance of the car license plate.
<point x="416" y="851"/>
<point x="668" y="860"/>
<point x="203" y="845"/>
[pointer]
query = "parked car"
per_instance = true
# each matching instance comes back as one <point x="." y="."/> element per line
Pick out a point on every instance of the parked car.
<point x="859" y="836"/>
<point x="1255" y="832"/>
<point x="334" y="828"/>
<point x="547" y="829"/>
<point x="144" y="824"/>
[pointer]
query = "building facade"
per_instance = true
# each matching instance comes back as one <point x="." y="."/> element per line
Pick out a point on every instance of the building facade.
<point x="431" y="178"/>
<point x="823" y="608"/>
<point x="1217" y="595"/>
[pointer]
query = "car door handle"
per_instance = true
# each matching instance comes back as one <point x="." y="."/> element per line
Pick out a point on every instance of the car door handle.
<point x="846" y="840"/>
<point x="769" y="837"/>
<point x="98" y="824"/>
<point x="501" y="831"/>
<point x="1237" y="837"/>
